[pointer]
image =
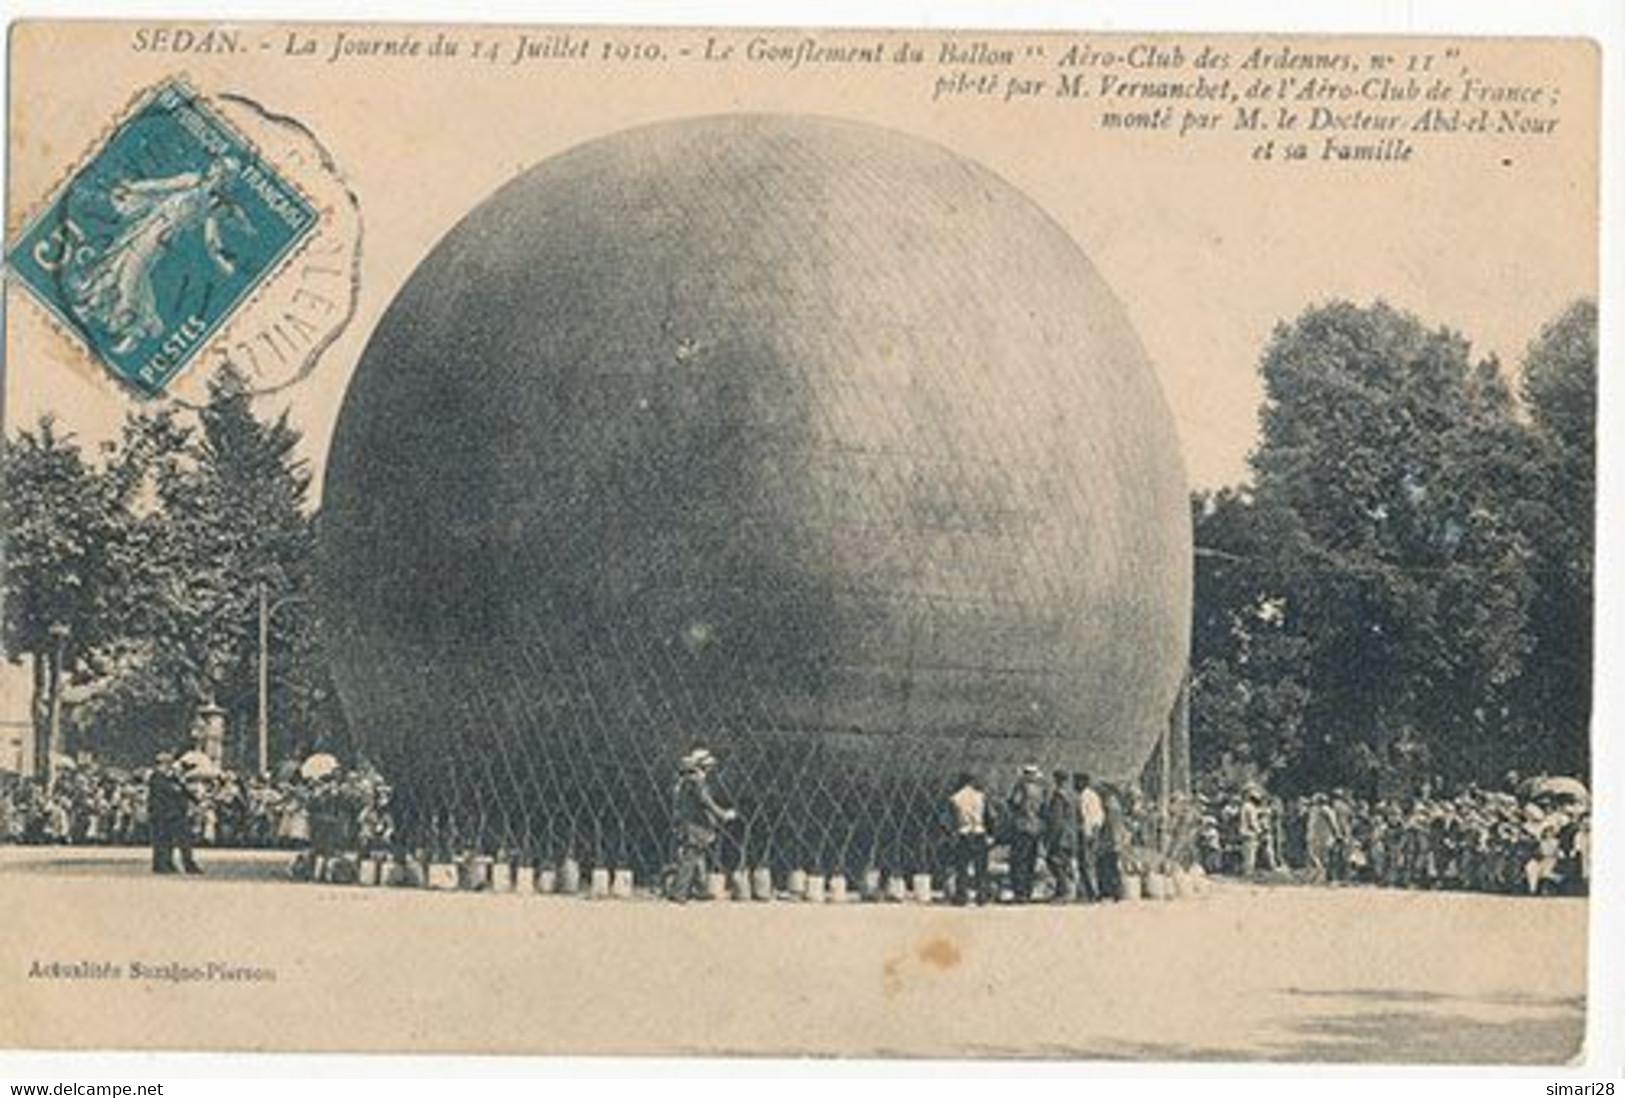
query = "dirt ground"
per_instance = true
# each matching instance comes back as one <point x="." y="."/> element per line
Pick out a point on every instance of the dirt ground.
<point x="1288" y="973"/>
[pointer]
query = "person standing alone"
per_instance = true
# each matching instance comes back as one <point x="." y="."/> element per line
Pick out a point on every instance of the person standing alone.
<point x="697" y="818"/>
<point x="169" y="810"/>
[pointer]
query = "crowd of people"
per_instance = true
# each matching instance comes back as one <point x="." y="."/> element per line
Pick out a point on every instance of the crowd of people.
<point x="1087" y="833"/>
<point x="1059" y="837"/>
<point x="1532" y="836"/>
<point x="182" y="799"/>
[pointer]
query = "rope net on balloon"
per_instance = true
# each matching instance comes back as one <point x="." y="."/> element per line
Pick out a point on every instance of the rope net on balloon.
<point x="575" y="756"/>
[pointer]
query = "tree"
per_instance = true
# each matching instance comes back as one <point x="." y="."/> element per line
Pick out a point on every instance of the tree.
<point x="1405" y="588"/>
<point x="1247" y="693"/>
<point x="145" y="570"/>
<point x="234" y="520"/>
<point x="1398" y="583"/>
<point x="65" y="542"/>
<point x="141" y="703"/>
<point x="1559" y="387"/>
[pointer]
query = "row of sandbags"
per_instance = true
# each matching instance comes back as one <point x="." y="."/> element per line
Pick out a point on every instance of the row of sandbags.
<point x="477" y="873"/>
<point x="1176" y="884"/>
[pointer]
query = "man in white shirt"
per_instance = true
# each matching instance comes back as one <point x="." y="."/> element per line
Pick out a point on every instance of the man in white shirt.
<point x="1091" y="818"/>
<point x="1250" y="825"/>
<point x="968" y="808"/>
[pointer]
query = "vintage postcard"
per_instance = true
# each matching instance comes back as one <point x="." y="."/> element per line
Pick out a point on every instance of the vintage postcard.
<point x="721" y="541"/>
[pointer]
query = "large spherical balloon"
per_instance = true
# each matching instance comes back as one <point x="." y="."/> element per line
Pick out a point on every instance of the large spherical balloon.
<point x="802" y="439"/>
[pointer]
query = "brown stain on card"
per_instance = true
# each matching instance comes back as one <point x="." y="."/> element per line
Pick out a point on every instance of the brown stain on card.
<point x="940" y="953"/>
<point x="891" y="980"/>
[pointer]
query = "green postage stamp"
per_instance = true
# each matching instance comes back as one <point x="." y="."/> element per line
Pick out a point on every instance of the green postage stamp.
<point x="161" y="236"/>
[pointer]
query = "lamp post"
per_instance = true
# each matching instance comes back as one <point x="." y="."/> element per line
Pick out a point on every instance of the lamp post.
<point x="265" y="682"/>
<point x="267" y="608"/>
<point x="58" y="633"/>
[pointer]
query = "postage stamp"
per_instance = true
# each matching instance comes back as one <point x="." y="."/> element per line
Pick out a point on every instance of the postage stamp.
<point x="161" y="236"/>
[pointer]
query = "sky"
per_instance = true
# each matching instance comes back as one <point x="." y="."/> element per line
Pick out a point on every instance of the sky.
<point x="1207" y="248"/>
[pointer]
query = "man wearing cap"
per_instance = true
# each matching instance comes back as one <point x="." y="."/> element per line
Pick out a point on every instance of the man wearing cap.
<point x="1027" y="801"/>
<point x="696" y="816"/>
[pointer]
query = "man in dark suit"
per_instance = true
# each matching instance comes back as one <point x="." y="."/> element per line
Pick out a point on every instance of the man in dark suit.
<point x="1027" y="801"/>
<point x="163" y="795"/>
<point x="169" y="808"/>
<point x="1061" y="827"/>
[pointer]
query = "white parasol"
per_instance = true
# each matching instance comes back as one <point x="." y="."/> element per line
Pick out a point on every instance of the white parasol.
<point x="318" y="766"/>
<point x="1561" y="789"/>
